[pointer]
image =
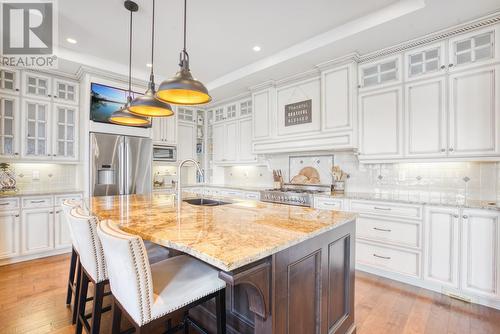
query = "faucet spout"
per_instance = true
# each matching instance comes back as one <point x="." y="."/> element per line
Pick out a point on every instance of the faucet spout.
<point x="179" y="169"/>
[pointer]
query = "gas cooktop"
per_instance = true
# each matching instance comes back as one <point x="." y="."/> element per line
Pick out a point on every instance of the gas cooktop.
<point x="293" y="195"/>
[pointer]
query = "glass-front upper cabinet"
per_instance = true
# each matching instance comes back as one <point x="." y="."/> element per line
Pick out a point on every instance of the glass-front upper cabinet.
<point x="9" y="129"/>
<point x="219" y="114"/>
<point x="36" y="129"/>
<point x="231" y="112"/>
<point x="65" y="133"/>
<point x="426" y="61"/>
<point x="380" y="72"/>
<point x="65" y="91"/>
<point x="245" y="108"/>
<point x="185" y="114"/>
<point x="9" y="81"/>
<point x="477" y="47"/>
<point x="37" y="86"/>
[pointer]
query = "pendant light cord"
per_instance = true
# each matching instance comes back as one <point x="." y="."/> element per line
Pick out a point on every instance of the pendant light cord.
<point x="185" y="19"/>
<point x="130" y="58"/>
<point x="153" y="38"/>
<point x="184" y="56"/>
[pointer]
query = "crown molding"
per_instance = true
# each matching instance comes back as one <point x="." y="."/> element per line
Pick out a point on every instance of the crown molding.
<point x="342" y="60"/>
<point x="440" y="35"/>
<point x="263" y="85"/>
<point x="310" y="74"/>
<point x="216" y="103"/>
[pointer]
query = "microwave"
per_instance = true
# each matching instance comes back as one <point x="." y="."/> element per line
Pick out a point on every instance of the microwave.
<point x="164" y="153"/>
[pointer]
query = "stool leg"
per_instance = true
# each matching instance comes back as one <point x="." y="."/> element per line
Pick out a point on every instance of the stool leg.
<point x="220" y="313"/>
<point x="76" y="300"/>
<point x="97" y="309"/>
<point x="117" y="318"/>
<point x="84" y="287"/>
<point x="71" y="278"/>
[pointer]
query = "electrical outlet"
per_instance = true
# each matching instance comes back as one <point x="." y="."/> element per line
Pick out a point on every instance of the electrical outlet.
<point x="36" y="175"/>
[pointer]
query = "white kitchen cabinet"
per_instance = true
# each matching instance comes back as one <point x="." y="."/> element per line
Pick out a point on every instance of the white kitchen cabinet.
<point x="441" y="230"/>
<point x="474" y="48"/>
<point x="9" y="234"/>
<point x="231" y="111"/>
<point x="245" y="108"/>
<point x="9" y="81"/>
<point x="425" y="118"/>
<point x="226" y="142"/>
<point x="245" y="140"/>
<point x="9" y="126"/>
<point x="66" y="132"/>
<point x="262" y="113"/>
<point x="474" y="112"/>
<point x="36" y="130"/>
<point x="380" y="73"/>
<point x="328" y="203"/>
<point x="65" y="91"/>
<point x="186" y="145"/>
<point x="62" y="236"/>
<point x="36" y="85"/>
<point x="338" y="98"/>
<point x="381" y="124"/>
<point x="186" y="114"/>
<point x="425" y="62"/>
<point x="37" y="232"/>
<point x="480" y="252"/>
<point x="165" y="130"/>
<point x="219" y="114"/>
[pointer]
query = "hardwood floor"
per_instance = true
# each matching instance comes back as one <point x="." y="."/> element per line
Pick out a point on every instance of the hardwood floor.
<point x="32" y="300"/>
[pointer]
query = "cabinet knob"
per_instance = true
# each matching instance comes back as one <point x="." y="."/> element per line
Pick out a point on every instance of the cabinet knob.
<point x="17" y="216"/>
<point x="455" y="216"/>
<point x="465" y="217"/>
<point x="443" y="150"/>
<point x="51" y="212"/>
<point x="451" y="149"/>
<point x="16" y="153"/>
<point x="450" y="65"/>
<point x="443" y="67"/>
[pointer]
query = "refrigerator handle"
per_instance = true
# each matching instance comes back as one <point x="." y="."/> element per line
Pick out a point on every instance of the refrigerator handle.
<point x="121" y="166"/>
<point x="126" y="164"/>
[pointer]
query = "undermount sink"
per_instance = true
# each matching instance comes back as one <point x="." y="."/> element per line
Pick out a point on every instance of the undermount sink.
<point x="205" y="202"/>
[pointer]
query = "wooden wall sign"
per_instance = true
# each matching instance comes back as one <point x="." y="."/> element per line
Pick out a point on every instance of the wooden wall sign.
<point x="298" y="113"/>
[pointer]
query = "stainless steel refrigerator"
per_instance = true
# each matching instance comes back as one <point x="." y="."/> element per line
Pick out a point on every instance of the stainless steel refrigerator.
<point x="120" y="165"/>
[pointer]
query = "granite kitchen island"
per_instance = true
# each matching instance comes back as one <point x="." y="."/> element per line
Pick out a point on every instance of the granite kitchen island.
<point x="288" y="269"/>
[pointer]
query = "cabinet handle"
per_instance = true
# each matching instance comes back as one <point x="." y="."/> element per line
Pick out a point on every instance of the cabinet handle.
<point x="443" y="67"/>
<point x="17" y="216"/>
<point x="382" y="257"/>
<point x="450" y="65"/>
<point x="51" y="212"/>
<point x="465" y="217"/>
<point x="58" y="211"/>
<point x="16" y="153"/>
<point x="443" y="150"/>
<point x="451" y="149"/>
<point x="382" y="229"/>
<point x="379" y="208"/>
<point x="40" y="201"/>
<point x="4" y="203"/>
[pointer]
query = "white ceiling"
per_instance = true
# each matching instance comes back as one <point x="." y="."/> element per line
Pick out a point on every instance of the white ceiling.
<point x="294" y="35"/>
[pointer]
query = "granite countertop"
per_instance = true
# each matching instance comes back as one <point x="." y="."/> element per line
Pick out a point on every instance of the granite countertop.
<point x="226" y="236"/>
<point x="39" y="192"/>
<point x="421" y="199"/>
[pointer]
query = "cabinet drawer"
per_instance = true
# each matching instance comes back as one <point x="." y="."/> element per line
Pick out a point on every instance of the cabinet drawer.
<point x="397" y="261"/>
<point x="9" y="204"/>
<point x="59" y="199"/>
<point x="231" y="193"/>
<point x="325" y="203"/>
<point x="387" y="209"/>
<point x="387" y="230"/>
<point x="37" y="202"/>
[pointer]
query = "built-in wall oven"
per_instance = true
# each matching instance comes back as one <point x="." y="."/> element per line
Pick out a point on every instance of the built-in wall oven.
<point x="164" y="153"/>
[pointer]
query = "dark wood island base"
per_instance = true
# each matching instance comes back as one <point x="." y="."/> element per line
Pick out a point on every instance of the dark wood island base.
<point x="305" y="289"/>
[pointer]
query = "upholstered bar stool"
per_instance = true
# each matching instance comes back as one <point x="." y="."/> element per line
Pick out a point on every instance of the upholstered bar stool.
<point x="74" y="269"/>
<point x="149" y="295"/>
<point x="92" y="270"/>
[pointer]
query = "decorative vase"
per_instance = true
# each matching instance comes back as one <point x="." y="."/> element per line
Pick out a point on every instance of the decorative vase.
<point x="7" y="178"/>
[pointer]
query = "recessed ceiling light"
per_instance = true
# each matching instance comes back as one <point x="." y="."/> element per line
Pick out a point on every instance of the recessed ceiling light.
<point x="71" y="40"/>
<point x="149" y="65"/>
<point x="256" y="48"/>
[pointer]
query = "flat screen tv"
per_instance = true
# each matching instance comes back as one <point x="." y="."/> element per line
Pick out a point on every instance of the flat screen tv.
<point x="104" y="100"/>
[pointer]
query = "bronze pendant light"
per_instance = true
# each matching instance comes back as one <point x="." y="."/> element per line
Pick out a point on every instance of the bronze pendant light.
<point x="148" y="105"/>
<point x="183" y="89"/>
<point x="123" y="116"/>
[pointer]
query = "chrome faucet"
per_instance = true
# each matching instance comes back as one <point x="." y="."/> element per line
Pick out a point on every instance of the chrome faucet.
<point x="179" y="188"/>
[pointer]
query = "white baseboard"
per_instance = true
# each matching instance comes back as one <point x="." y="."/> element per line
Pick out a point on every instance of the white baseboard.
<point x="23" y="258"/>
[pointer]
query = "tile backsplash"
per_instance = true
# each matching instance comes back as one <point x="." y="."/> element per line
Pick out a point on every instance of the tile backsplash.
<point x="449" y="178"/>
<point x="43" y="176"/>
